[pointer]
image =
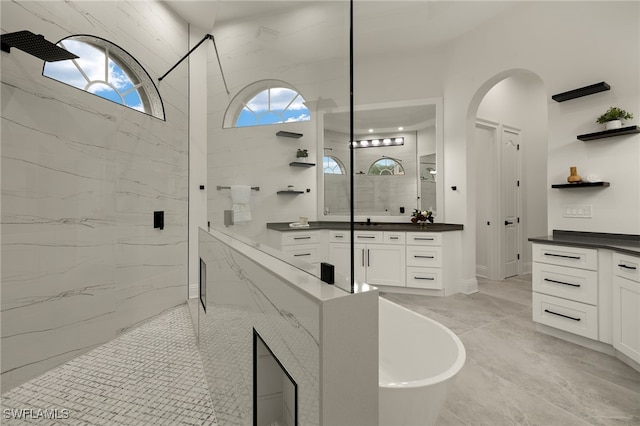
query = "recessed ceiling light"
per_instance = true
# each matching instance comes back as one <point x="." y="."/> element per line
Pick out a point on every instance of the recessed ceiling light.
<point x="401" y="128"/>
<point x="370" y="130"/>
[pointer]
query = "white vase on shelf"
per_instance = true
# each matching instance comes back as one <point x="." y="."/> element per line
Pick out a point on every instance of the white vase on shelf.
<point x="613" y="124"/>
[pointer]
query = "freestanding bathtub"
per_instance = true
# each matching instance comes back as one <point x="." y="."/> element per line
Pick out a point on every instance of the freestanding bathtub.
<point x="419" y="358"/>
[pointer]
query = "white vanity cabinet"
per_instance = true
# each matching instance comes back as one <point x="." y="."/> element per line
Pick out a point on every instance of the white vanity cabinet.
<point x="379" y="257"/>
<point x="392" y="257"/>
<point x="303" y="245"/>
<point x="424" y="260"/>
<point x="565" y="288"/>
<point x="626" y="305"/>
<point x="589" y="296"/>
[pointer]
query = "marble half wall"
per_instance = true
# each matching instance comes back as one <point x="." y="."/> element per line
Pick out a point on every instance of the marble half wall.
<point x="325" y="338"/>
<point x="81" y="177"/>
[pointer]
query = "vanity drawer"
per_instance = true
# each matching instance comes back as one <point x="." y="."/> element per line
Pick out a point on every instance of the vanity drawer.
<point x="574" y="257"/>
<point x="424" y="238"/>
<point x="368" y="237"/>
<point x="428" y="278"/>
<point x="627" y="266"/>
<point x="424" y="256"/>
<point x="339" y="236"/>
<point x="393" y="237"/>
<point x="574" y="317"/>
<point x="580" y="285"/>
<point x="300" y="237"/>
<point x="306" y="252"/>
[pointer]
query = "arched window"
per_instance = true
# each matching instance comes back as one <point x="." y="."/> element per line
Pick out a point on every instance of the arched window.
<point x="332" y="166"/>
<point x="106" y="70"/>
<point x="386" y="166"/>
<point x="266" y="102"/>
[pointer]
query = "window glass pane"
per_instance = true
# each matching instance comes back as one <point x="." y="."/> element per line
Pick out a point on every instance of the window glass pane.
<point x="246" y="118"/>
<point x="118" y="78"/>
<point x="259" y="102"/>
<point x="133" y="100"/>
<point x="67" y="72"/>
<point x="269" y="118"/>
<point x="104" y="91"/>
<point x="281" y="98"/>
<point x="91" y="59"/>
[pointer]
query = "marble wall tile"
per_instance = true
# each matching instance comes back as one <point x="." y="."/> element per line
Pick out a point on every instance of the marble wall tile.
<point x="81" y="177"/>
<point x="242" y="296"/>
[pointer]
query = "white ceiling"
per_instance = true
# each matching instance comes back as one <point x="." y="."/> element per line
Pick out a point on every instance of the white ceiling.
<point x="379" y="26"/>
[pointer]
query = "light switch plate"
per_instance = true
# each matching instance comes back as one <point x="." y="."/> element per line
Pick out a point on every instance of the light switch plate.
<point x="582" y="211"/>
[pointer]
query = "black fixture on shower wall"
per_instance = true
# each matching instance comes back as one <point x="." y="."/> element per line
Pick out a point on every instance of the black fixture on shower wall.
<point x="36" y="45"/>
<point x="206" y="37"/>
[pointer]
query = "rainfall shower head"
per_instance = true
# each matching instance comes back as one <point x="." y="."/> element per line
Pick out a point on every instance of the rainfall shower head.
<point x="36" y="45"/>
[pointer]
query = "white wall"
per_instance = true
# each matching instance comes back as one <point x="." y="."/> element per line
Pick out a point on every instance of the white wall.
<point x="81" y="178"/>
<point x="562" y="43"/>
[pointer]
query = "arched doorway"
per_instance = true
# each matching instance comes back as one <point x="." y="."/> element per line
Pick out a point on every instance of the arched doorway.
<point x="508" y="164"/>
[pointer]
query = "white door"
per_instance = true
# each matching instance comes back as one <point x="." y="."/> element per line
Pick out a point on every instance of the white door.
<point x="626" y="317"/>
<point x="510" y="200"/>
<point x="385" y="264"/>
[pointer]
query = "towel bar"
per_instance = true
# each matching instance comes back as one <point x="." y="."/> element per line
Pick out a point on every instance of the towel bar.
<point x="255" y="188"/>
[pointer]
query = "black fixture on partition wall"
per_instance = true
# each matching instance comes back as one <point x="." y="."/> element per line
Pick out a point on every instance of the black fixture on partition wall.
<point x="206" y="37"/>
<point x="36" y="45"/>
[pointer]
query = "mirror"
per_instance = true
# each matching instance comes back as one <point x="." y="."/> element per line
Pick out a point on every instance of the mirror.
<point x="396" y="161"/>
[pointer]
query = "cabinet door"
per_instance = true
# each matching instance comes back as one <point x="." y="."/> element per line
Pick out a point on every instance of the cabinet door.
<point x="385" y="264"/>
<point x="626" y="317"/>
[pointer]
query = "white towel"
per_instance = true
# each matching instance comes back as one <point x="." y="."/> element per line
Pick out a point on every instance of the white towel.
<point x="240" y="199"/>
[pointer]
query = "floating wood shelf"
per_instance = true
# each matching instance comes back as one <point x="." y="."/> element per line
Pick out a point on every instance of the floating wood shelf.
<point x="583" y="91"/>
<point x="301" y="164"/>
<point x="289" y="134"/>
<point x="609" y="133"/>
<point x="582" y="185"/>
<point x="290" y="192"/>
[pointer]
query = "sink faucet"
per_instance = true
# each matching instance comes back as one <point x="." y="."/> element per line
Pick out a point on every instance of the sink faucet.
<point x="368" y="221"/>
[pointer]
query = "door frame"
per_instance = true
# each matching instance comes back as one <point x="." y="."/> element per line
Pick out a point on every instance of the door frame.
<point x="496" y="234"/>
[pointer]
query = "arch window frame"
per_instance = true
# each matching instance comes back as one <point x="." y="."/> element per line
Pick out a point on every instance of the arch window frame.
<point x="337" y="163"/>
<point x="139" y="79"/>
<point x="394" y="166"/>
<point x="243" y="99"/>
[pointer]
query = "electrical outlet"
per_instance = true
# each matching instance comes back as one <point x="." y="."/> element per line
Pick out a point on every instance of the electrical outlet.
<point x="583" y="211"/>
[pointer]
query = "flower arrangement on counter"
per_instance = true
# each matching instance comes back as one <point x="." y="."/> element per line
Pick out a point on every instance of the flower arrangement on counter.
<point x="421" y="216"/>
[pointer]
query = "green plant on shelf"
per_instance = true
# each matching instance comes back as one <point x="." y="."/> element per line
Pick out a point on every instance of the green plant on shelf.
<point x="302" y="153"/>
<point x="614" y="113"/>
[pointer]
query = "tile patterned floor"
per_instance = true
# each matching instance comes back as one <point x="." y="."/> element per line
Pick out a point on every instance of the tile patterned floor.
<point x="515" y="375"/>
<point x="151" y="375"/>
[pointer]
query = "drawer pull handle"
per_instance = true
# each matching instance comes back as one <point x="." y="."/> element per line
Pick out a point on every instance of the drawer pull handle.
<point x="560" y="282"/>
<point x="561" y="315"/>
<point x="622" y="265"/>
<point x="301" y="238"/>
<point x="339" y="236"/>
<point x="365" y="236"/>
<point x="562" y="255"/>
<point x="393" y="238"/>
<point x="424" y="278"/>
<point x="423" y="257"/>
<point x="423" y="239"/>
<point x="302" y="254"/>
